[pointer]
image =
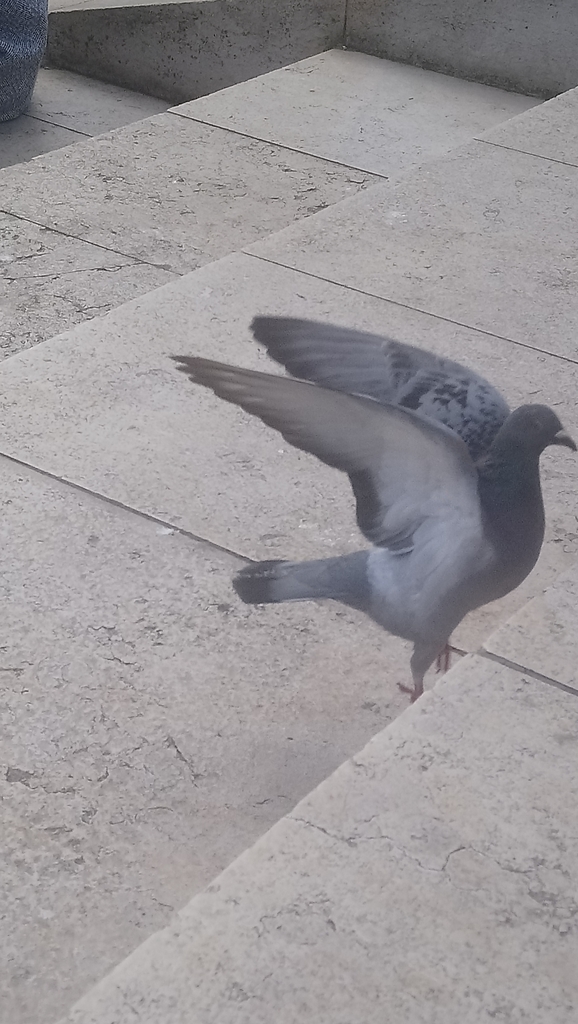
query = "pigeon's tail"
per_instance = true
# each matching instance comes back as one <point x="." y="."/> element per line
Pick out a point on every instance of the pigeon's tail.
<point x="264" y="583"/>
<point x="342" y="579"/>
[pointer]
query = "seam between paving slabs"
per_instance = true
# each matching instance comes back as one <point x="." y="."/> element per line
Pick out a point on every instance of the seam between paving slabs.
<point x="55" y="124"/>
<point x="407" y="305"/>
<point x="506" y="663"/>
<point x="278" y="145"/>
<point x="126" y="508"/>
<point x="87" y="241"/>
<point x="526" y="152"/>
<point x="189" y="535"/>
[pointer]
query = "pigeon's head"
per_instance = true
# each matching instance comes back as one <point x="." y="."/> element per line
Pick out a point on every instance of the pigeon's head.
<point x="535" y="427"/>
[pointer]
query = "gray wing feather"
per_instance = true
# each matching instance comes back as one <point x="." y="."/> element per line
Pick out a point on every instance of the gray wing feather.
<point x="388" y="371"/>
<point x="404" y="470"/>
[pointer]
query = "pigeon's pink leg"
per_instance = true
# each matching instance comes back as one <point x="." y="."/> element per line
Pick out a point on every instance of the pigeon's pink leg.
<point x="416" y="690"/>
<point x="443" y="659"/>
<point x="421" y="660"/>
<point x="413" y="691"/>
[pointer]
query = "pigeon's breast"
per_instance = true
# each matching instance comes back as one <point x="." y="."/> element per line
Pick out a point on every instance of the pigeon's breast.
<point x="424" y="594"/>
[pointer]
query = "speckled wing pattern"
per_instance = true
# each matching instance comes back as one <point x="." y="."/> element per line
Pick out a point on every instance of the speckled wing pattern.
<point x="389" y="372"/>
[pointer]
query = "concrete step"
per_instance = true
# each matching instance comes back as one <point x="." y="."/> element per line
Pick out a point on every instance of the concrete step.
<point x="68" y="108"/>
<point x="96" y="224"/>
<point x="469" y="239"/>
<point x="358" y="110"/>
<point x="432" y="877"/>
<point x="525" y="47"/>
<point x="188" y="48"/>
<point x="154" y="727"/>
<point x="103" y="407"/>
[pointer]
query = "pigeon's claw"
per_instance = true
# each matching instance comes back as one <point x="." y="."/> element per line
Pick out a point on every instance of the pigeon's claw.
<point x="443" y="659"/>
<point x="413" y="691"/>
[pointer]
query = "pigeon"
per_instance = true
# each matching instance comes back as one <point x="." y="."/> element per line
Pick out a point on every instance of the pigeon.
<point x="446" y="479"/>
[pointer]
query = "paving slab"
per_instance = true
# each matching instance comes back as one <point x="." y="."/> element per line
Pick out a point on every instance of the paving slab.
<point x="174" y="192"/>
<point x="153" y="727"/>
<point x="541" y="636"/>
<point x="88" y="106"/>
<point x="485" y="237"/>
<point x="50" y="282"/>
<point x="27" y="137"/>
<point x="104" y="407"/>
<point x="358" y="110"/>
<point x="67" y="108"/>
<point x="525" y="47"/>
<point x="548" y="130"/>
<point x="432" y="878"/>
<point x="179" y="50"/>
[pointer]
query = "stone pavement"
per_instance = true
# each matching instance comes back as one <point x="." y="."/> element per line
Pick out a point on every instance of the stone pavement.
<point x="68" y="108"/>
<point x="105" y="220"/>
<point x="432" y="878"/>
<point x="154" y="728"/>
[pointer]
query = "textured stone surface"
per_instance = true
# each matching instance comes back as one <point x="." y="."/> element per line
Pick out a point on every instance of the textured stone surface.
<point x="548" y="131"/>
<point x="105" y="202"/>
<point x="27" y="137"/>
<point x="152" y="727"/>
<point x="359" y="110"/>
<point x="525" y="47"/>
<point x="182" y="50"/>
<point x="49" y="282"/>
<point x="67" y="108"/>
<point x="86" y="105"/>
<point x="485" y="237"/>
<point x="103" y="406"/>
<point x="431" y="878"/>
<point x="542" y="635"/>
<point x="173" y="192"/>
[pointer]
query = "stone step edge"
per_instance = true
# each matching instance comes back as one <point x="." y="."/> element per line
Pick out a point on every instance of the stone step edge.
<point x="453" y="675"/>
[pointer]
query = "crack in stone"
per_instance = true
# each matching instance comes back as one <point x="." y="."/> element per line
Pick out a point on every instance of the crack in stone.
<point x="114" y="657"/>
<point x="355" y="840"/>
<point x="171" y="743"/>
<point x="79" y="308"/>
<point x="294" y="909"/>
<point x="58" y="274"/>
<point x="159" y="903"/>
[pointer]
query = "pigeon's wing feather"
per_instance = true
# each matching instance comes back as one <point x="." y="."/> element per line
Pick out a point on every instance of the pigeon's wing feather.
<point x="404" y="470"/>
<point x="388" y="371"/>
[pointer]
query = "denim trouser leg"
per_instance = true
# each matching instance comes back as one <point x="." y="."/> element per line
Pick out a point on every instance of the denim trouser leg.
<point x="23" y="31"/>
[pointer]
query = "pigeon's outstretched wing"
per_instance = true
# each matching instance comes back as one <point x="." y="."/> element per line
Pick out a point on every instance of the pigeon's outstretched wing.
<point x="388" y="371"/>
<point x="405" y="471"/>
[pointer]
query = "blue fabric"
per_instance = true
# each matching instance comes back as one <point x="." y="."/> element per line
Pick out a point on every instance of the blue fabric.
<point x="23" y="31"/>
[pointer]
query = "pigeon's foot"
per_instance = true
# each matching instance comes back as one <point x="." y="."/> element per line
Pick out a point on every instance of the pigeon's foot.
<point x="443" y="659"/>
<point x="442" y="665"/>
<point x="413" y="691"/>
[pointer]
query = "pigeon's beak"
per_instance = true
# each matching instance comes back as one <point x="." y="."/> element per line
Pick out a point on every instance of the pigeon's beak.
<point x="564" y="439"/>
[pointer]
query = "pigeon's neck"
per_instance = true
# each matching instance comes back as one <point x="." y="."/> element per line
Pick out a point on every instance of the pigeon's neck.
<point x="512" y="506"/>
